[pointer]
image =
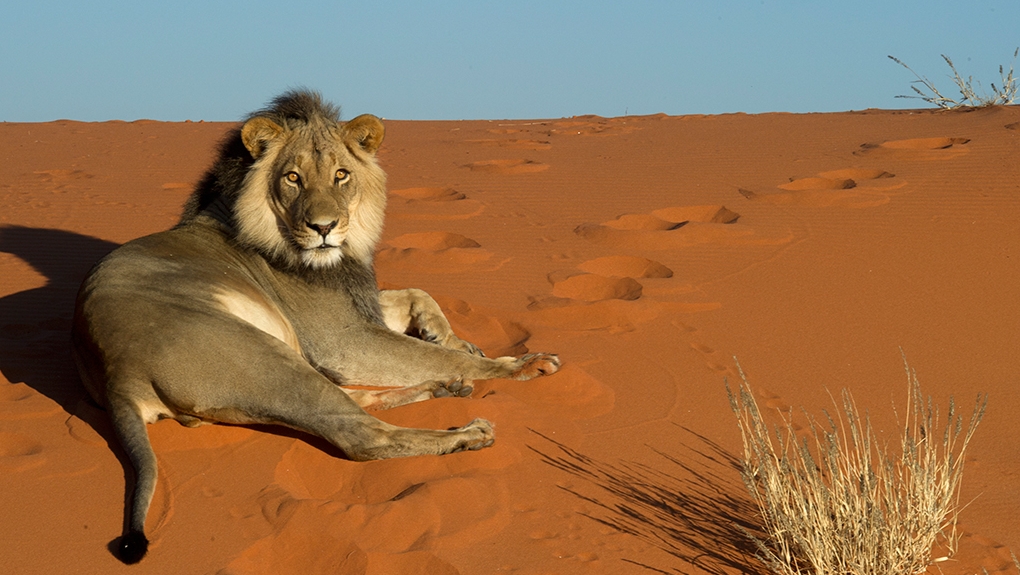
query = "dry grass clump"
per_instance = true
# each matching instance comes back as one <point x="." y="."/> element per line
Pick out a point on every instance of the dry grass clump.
<point x="1000" y="96"/>
<point x="837" y="502"/>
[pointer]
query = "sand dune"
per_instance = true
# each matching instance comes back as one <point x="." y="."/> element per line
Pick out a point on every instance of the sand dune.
<point x="651" y="253"/>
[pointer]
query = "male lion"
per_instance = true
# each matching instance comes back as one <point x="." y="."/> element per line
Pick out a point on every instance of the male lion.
<point x="262" y="302"/>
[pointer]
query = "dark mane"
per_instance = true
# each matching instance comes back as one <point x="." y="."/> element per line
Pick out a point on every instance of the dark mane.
<point x="223" y="179"/>
<point x="219" y="187"/>
<point x="233" y="160"/>
<point x="299" y="107"/>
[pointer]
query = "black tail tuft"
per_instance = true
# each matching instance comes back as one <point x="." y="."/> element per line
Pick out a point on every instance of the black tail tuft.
<point x="132" y="547"/>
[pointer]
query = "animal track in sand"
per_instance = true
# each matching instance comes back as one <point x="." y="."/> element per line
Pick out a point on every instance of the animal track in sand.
<point x="594" y="287"/>
<point x="429" y="194"/>
<point x="699" y="214"/>
<point x="496" y="336"/>
<point x="818" y="184"/>
<point x="714" y="360"/>
<point x="772" y="400"/>
<point x="835" y="180"/>
<point x="611" y="315"/>
<point x="63" y="175"/>
<point x="515" y="166"/>
<point x="572" y="393"/>
<point x="667" y="219"/>
<point x="642" y="222"/>
<point x="857" y="174"/>
<point x="434" y="252"/>
<point x="594" y="126"/>
<point x="702" y="348"/>
<point x="850" y="187"/>
<point x="920" y="148"/>
<point x="519" y="144"/>
<point x="19" y="452"/>
<point x="995" y="557"/>
<point x="433" y="241"/>
<point x="55" y="181"/>
<point x="666" y="228"/>
<point x="626" y="266"/>
<point x="20" y="400"/>
<point x="923" y="143"/>
<point x="18" y="445"/>
<point x="591" y="300"/>
<point x="432" y="203"/>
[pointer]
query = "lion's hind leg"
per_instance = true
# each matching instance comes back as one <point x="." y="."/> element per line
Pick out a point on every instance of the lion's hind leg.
<point x="476" y="435"/>
<point x="392" y="441"/>
<point x="364" y="437"/>
<point x="290" y="392"/>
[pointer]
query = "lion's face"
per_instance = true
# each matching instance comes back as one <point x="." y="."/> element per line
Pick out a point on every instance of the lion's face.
<point x="315" y="193"/>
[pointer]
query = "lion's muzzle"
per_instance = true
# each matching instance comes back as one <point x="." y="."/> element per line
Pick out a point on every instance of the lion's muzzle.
<point x="322" y="229"/>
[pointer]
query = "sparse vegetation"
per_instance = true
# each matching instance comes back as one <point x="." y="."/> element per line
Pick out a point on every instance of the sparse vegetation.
<point x="834" y="501"/>
<point x="1004" y="94"/>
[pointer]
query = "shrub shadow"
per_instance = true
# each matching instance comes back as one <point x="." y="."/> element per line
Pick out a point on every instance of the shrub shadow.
<point x="698" y="511"/>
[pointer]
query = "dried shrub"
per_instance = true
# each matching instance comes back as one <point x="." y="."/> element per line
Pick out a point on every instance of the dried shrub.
<point x="1003" y="95"/>
<point x="837" y="502"/>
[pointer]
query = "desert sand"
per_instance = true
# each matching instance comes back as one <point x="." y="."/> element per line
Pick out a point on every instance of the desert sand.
<point x="651" y="253"/>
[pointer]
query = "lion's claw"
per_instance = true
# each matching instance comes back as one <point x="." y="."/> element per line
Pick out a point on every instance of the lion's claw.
<point x="452" y="388"/>
<point x="536" y="364"/>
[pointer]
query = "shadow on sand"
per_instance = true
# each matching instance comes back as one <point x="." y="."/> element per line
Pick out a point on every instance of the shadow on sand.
<point x="697" y="511"/>
<point x="35" y="324"/>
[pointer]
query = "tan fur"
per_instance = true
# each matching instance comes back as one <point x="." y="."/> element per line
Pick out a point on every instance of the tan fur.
<point x="262" y="302"/>
<point x="259" y="313"/>
<point x="414" y="311"/>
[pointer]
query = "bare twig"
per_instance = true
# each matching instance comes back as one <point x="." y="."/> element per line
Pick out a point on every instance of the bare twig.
<point x="1005" y="94"/>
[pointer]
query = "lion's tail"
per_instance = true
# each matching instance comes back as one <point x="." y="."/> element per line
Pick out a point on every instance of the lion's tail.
<point x="130" y="428"/>
<point x="132" y="547"/>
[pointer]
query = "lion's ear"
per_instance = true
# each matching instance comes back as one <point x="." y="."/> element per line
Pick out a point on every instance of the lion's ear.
<point x="366" y="131"/>
<point x="256" y="132"/>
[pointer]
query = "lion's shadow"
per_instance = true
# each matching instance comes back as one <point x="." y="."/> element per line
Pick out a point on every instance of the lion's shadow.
<point x="35" y="324"/>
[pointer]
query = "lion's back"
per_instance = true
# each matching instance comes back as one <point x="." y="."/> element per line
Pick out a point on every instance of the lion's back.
<point x="148" y="285"/>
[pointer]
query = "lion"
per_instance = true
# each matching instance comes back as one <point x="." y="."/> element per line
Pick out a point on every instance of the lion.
<point x="261" y="305"/>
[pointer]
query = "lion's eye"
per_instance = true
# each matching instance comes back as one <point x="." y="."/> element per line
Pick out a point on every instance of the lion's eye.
<point x="293" y="177"/>
<point x="342" y="175"/>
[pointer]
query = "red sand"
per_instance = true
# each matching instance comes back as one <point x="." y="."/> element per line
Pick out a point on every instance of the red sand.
<point x="613" y="242"/>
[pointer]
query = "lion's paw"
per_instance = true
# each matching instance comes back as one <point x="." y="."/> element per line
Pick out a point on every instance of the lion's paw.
<point x="536" y="364"/>
<point x="476" y="435"/>
<point x="454" y="342"/>
<point x="452" y="388"/>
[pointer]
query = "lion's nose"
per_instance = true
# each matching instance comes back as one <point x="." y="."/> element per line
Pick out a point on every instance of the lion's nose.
<point x="322" y="229"/>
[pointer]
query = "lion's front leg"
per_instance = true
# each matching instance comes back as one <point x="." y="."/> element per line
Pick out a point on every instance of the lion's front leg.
<point x="414" y="312"/>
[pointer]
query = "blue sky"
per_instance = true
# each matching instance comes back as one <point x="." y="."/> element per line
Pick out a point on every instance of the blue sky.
<point x="217" y="60"/>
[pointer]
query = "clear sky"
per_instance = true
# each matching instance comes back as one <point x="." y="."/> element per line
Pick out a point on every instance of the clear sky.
<point x="464" y="59"/>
